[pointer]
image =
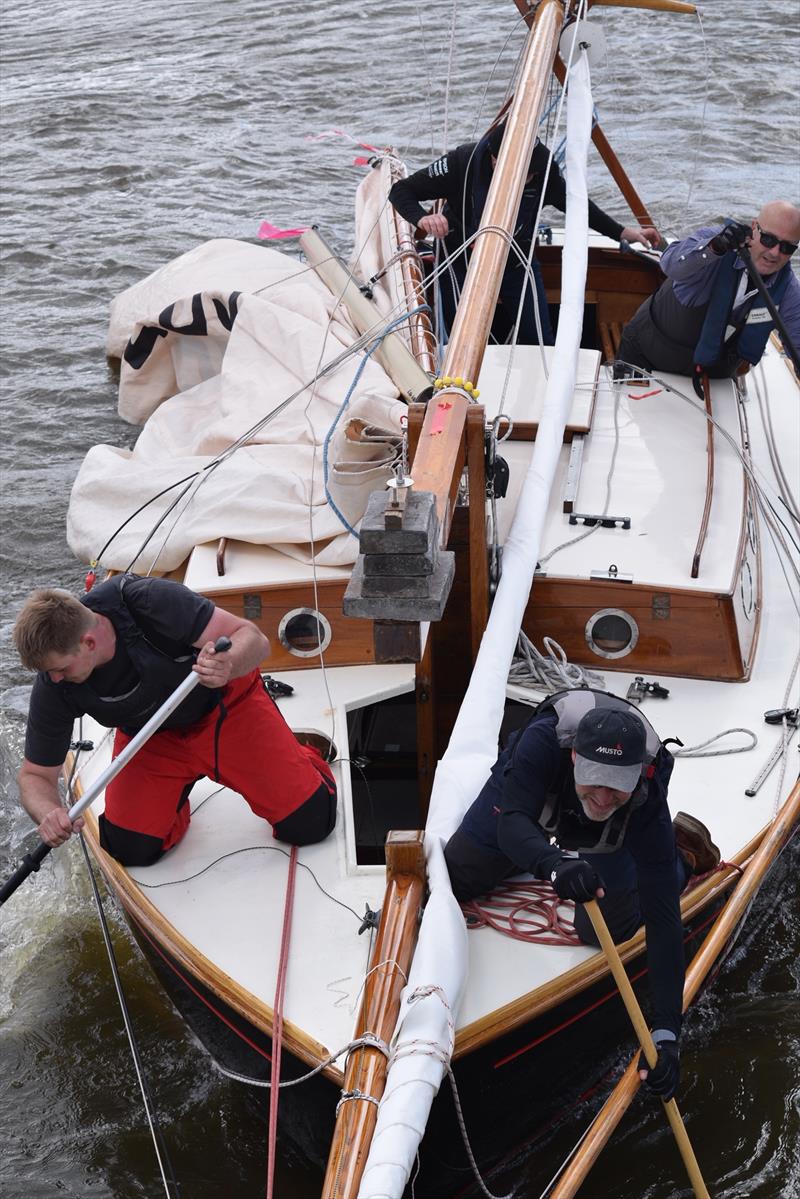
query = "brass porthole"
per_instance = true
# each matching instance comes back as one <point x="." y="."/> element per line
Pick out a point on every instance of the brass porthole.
<point x="611" y="633"/>
<point x="304" y="632"/>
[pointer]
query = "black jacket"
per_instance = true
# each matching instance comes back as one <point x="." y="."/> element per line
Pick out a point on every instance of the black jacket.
<point x="462" y="177"/>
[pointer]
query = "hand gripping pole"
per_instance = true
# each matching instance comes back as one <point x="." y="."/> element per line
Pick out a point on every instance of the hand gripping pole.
<point x="32" y="861"/>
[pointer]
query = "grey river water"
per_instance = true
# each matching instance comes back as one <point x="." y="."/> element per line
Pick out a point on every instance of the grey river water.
<point x="132" y="132"/>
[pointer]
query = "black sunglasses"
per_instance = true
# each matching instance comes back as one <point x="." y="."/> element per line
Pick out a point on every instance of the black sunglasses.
<point x="770" y="241"/>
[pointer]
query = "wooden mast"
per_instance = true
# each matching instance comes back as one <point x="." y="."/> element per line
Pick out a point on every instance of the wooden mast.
<point x="365" y="1073"/>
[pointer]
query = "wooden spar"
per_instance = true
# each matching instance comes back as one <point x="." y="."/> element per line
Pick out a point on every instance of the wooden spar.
<point x="612" y="1111"/>
<point x="423" y="342"/>
<point x="393" y="354"/>
<point x="440" y="444"/>
<point x="646" y="1041"/>
<point x="365" y="1073"/>
<point x="655" y="5"/>
<point x="701" y="536"/>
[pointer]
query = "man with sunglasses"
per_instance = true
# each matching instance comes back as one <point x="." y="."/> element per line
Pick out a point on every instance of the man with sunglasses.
<point x="708" y="315"/>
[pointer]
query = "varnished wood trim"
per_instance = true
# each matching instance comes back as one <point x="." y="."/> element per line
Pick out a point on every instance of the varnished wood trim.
<point x="700" y="639"/>
<point x="529" y="1007"/>
<point x="145" y="914"/>
<point x="703" y="533"/>
<point x="478" y="556"/>
<point x="365" y="1071"/>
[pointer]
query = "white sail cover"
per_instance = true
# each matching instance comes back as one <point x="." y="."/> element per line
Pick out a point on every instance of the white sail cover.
<point x="422" y="1041"/>
<point x="216" y="341"/>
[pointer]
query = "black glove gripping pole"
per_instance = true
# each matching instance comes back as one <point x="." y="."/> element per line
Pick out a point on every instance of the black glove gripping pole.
<point x="32" y="861"/>
<point x="788" y="345"/>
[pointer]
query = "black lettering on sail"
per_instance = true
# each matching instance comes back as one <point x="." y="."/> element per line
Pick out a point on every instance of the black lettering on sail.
<point x="139" y="350"/>
<point x="198" y="326"/>
<point x="228" y="315"/>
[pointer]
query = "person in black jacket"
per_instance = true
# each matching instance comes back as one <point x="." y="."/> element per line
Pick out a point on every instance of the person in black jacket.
<point x="117" y="654"/>
<point x="461" y="178"/>
<point x="579" y="798"/>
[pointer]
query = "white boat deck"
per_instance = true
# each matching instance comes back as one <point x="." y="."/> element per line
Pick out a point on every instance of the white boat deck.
<point x="233" y="910"/>
<point x="658" y="482"/>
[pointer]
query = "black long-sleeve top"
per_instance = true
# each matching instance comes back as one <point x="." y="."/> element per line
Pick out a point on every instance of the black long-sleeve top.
<point x="461" y="178"/>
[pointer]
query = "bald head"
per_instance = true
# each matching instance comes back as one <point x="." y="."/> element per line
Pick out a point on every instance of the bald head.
<point x="777" y="220"/>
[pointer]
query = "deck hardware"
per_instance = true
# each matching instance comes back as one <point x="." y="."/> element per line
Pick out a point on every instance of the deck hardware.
<point x="777" y="715"/>
<point x="611" y="633"/>
<point x="773" y="758"/>
<point x="611" y="575"/>
<point x="607" y="522"/>
<point x="639" y="689"/>
<point x="573" y="472"/>
<point x="371" y="919"/>
<point x="252" y="606"/>
<point x="497" y="477"/>
<point x="275" y="688"/>
<point x="305" y="632"/>
<point x="660" y="607"/>
<point x="81" y="746"/>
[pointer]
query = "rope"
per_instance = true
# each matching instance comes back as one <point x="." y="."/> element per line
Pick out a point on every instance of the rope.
<point x="528" y="911"/>
<point x="159" y="1144"/>
<point x="327" y="440"/>
<point x="700" y="750"/>
<point x="367" y="1040"/>
<point x="552" y="671"/>
<point x="277" y="1025"/>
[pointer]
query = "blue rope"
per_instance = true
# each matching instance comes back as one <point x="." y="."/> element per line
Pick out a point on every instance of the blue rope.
<point x="367" y="355"/>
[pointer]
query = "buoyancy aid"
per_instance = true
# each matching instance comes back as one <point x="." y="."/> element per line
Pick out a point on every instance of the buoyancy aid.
<point x="159" y="673"/>
<point x="748" y="337"/>
<point x="562" y="815"/>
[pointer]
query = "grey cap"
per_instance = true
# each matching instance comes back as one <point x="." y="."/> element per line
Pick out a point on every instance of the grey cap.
<point x="610" y="749"/>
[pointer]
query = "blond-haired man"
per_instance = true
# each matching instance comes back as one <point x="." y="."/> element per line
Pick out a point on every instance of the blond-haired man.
<point x="119" y="652"/>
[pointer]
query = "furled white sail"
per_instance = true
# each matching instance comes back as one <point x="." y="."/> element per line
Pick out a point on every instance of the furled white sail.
<point x="423" y="1037"/>
<point x="218" y="340"/>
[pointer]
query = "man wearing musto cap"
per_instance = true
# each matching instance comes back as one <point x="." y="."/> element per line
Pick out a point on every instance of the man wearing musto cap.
<point x="579" y="798"/>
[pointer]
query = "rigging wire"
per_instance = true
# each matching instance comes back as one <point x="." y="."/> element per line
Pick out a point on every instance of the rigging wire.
<point x="168" y="1178"/>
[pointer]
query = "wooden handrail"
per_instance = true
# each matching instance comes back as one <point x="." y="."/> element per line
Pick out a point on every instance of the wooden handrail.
<point x="440" y="444"/>
<point x="609" y="1116"/>
<point x="365" y="1072"/>
<point x="701" y="536"/>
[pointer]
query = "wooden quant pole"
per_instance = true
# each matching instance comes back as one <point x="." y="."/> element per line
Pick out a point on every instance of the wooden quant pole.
<point x="775" y="838"/>
<point x="365" y="1072"/>
<point x="646" y="1041"/>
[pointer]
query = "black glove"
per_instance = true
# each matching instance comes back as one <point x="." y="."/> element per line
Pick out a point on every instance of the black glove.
<point x="572" y="878"/>
<point x="732" y="237"/>
<point x="663" y="1078"/>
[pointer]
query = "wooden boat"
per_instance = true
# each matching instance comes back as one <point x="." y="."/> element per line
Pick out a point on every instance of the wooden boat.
<point x="680" y="587"/>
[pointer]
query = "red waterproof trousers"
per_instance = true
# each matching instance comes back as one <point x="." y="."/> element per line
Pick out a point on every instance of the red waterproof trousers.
<point x="245" y="744"/>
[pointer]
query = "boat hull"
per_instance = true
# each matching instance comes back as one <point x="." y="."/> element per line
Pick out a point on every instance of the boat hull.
<point x="512" y="1090"/>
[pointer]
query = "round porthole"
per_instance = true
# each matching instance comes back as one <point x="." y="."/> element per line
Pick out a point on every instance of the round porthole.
<point x="611" y="633"/>
<point x="304" y="632"/>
